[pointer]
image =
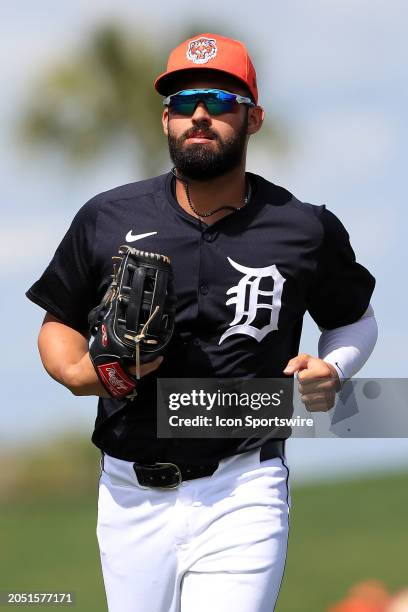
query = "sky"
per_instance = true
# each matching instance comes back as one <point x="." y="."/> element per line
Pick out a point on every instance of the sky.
<point x="332" y="73"/>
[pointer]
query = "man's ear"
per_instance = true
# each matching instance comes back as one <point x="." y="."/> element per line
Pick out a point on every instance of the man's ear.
<point x="256" y="116"/>
<point x="165" y="121"/>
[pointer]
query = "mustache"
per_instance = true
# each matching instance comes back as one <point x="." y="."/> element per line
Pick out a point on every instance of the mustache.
<point x="204" y="131"/>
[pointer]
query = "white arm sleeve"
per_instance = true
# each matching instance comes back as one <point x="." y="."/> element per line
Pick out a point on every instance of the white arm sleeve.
<point x="348" y="347"/>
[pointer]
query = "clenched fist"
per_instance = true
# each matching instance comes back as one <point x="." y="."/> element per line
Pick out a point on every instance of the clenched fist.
<point x="318" y="381"/>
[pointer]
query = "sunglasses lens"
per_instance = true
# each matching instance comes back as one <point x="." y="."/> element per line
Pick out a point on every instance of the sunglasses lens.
<point x="183" y="107"/>
<point x="217" y="107"/>
<point x="216" y="102"/>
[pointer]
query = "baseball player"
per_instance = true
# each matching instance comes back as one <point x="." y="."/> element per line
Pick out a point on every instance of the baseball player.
<point x="187" y="525"/>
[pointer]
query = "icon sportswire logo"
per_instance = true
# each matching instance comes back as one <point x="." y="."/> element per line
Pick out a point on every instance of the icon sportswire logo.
<point x="133" y="237"/>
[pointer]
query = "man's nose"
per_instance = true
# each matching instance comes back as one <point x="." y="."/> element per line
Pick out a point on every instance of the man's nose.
<point x="201" y="113"/>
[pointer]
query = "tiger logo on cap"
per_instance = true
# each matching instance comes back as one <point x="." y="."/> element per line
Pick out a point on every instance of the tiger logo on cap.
<point x="201" y="50"/>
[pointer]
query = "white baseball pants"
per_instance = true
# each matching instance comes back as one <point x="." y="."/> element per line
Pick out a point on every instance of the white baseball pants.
<point x="214" y="544"/>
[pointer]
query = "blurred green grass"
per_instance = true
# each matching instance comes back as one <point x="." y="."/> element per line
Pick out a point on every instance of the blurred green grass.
<point x="343" y="533"/>
<point x="50" y="545"/>
<point x="340" y="533"/>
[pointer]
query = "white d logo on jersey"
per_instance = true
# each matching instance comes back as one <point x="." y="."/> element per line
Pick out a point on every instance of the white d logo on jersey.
<point x="247" y="291"/>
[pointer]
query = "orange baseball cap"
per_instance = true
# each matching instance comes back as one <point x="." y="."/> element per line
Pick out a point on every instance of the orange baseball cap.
<point x="211" y="52"/>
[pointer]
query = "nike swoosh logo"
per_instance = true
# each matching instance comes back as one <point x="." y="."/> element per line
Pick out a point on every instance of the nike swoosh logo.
<point x="132" y="238"/>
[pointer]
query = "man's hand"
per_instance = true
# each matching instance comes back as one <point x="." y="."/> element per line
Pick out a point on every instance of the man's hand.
<point x="64" y="353"/>
<point x="81" y="379"/>
<point x="318" y="381"/>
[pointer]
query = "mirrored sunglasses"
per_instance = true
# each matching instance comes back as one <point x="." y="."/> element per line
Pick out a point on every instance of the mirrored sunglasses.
<point x="217" y="101"/>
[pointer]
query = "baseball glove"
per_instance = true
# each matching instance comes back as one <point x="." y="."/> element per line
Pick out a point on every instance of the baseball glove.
<point x="135" y="320"/>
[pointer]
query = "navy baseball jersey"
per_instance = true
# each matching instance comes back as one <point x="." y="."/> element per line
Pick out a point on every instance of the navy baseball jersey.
<point x="242" y="283"/>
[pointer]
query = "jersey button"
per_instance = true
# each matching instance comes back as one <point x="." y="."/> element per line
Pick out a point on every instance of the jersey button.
<point x="209" y="236"/>
<point x="203" y="289"/>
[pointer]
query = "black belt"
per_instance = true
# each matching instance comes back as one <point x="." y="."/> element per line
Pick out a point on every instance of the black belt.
<point x="170" y="476"/>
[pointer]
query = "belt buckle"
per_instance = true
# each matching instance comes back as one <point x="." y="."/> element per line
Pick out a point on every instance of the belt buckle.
<point x="179" y="475"/>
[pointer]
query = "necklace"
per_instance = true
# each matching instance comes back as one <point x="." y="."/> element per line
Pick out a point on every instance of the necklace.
<point x="212" y="212"/>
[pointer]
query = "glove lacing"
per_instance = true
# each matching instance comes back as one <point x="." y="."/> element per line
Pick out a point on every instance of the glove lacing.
<point x="139" y="337"/>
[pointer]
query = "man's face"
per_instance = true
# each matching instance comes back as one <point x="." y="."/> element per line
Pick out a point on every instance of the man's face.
<point x="203" y="146"/>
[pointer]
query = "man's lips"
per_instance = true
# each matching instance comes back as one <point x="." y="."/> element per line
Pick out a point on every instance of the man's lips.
<point x="200" y="137"/>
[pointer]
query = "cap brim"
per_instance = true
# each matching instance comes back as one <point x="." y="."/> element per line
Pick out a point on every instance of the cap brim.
<point x="163" y="83"/>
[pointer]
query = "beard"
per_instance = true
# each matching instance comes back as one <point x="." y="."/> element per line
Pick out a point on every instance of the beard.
<point x="201" y="162"/>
